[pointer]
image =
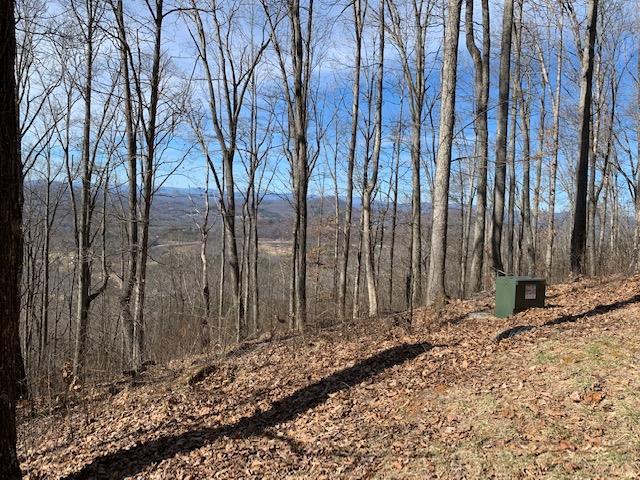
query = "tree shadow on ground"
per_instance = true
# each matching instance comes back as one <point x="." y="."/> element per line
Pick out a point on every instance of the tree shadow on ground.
<point x="129" y="462"/>
<point x="599" y="310"/>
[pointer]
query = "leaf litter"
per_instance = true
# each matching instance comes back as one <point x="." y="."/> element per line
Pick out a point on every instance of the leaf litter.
<point x="443" y="399"/>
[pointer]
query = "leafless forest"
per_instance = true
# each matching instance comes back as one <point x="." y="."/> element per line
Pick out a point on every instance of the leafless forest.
<point x="203" y="174"/>
<point x="199" y="173"/>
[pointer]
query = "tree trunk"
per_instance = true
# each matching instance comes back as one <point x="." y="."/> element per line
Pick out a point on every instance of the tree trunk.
<point x="509" y="243"/>
<point x="84" y="226"/>
<point x="553" y="168"/>
<point x="526" y="258"/>
<point x="578" y="233"/>
<point x="510" y="255"/>
<point x="318" y="251"/>
<point x="356" y="280"/>
<point x="229" y="224"/>
<point x="636" y="190"/>
<point x="253" y="212"/>
<point x="416" y="212"/>
<point x="437" y="258"/>
<point x="539" y="158"/>
<point x="371" y="182"/>
<point x="336" y="226"/>
<point x="301" y="57"/>
<point x="481" y="63"/>
<point x="223" y="274"/>
<point x="501" y="137"/>
<point x="147" y="188"/>
<point x="526" y="237"/>
<point x="466" y="214"/>
<point x="394" y="214"/>
<point x="592" y="197"/>
<point x="253" y="268"/>
<point x="205" y="328"/>
<point x="358" y="18"/>
<point x="130" y="275"/>
<point x="11" y="241"/>
<point x="46" y="249"/>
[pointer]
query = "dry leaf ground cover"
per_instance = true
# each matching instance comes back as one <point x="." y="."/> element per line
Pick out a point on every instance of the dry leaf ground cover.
<point x="548" y="393"/>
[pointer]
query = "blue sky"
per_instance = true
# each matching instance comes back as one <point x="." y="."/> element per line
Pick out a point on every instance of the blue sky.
<point x="332" y="76"/>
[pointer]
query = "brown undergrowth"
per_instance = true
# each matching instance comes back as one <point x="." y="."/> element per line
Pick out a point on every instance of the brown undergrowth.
<point x="547" y="393"/>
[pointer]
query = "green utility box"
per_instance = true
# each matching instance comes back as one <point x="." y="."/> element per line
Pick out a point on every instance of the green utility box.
<point x="514" y="294"/>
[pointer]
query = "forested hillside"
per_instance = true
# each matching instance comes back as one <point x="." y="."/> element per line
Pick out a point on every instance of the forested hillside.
<point x="549" y="393"/>
<point x="186" y="179"/>
<point x="202" y="173"/>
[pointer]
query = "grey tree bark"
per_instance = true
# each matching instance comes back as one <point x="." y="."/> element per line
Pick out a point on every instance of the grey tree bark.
<point x="636" y="190"/>
<point x="596" y="124"/>
<point x="359" y="14"/>
<point x="205" y="326"/>
<point x="526" y="255"/>
<point x="413" y="62"/>
<point x="578" y="233"/>
<point x="508" y="247"/>
<point x="130" y="275"/>
<point x="438" y="256"/>
<point x="501" y="138"/>
<point x="397" y="147"/>
<point x="83" y="213"/>
<point x="481" y="96"/>
<point x="371" y="180"/>
<point x="150" y="131"/>
<point x="553" y="167"/>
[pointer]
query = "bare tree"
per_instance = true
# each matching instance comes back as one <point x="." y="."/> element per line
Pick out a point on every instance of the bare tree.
<point x="87" y="17"/>
<point x="501" y="137"/>
<point x="579" y="233"/>
<point x="371" y="178"/>
<point x="226" y="99"/>
<point x="204" y="227"/>
<point x="481" y="96"/>
<point x="553" y="167"/>
<point x="636" y="183"/>
<point x="129" y="279"/>
<point x="359" y="13"/>
<point x="508" y="245"/>
<point x="413" y="61"/>
<point x="257" y="149"/>
<point x="526" y="249"/>
<point x="11" y="239"/>
<point x="157" y="115"/>
<point x="295" y="64"/>
<point x="394" y="181"/>
<point x="438" y="256"/>
<point x="522" y="87"/>
<point x="595" y="136"/>
<point x="150" y="133"/>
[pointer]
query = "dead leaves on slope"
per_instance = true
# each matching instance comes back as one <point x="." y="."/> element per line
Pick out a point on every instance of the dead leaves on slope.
<point x="547" y="401"/>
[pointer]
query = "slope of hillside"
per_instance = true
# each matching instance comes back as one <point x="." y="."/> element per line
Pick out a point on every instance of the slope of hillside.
<point x="551" y="392"/>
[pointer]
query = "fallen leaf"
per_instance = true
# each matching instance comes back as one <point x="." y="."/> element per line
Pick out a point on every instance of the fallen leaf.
<point x="594" y="398"/>
<point x="567" y="445"/>
<point x="575" y="396"/>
